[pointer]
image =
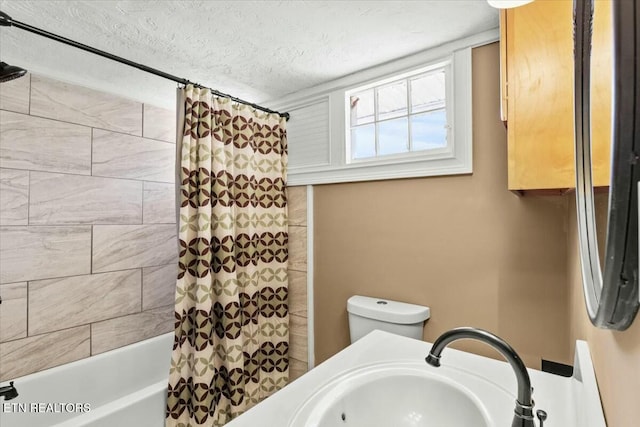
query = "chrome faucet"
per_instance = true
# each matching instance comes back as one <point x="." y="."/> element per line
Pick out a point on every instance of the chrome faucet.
<point x="523" y="416"/>
<point x="8" y="392"/>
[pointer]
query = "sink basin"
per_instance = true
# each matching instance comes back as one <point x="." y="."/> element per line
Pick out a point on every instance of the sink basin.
<point x="392" y="395"/>
<point x="382" y="380"/>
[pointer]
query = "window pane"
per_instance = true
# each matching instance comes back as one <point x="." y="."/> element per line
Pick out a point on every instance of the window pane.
<point x="363" y="142"/>
<point x="429" y="130"/>
<point x="362" y="108"/>
<point x="392" y="100"/>
<point x="428" y="92"/>
<point x="393" y="136"/>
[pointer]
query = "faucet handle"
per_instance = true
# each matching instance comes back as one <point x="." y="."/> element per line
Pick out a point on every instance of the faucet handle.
<point x="542" y="416"/>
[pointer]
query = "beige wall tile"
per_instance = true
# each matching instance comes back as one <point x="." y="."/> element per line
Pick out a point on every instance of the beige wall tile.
<point x="76" y="104"/>
<point x="298" y="292"/>
<point x="44" y="145"/>
<point x="119" y="247"/>
<point x="125" y="156"/>
<point x="298" y="337"/>
<point x="125" y="330"/>
<point x="33" y="354"/>
<point x="13" y="311"/>
<point x="31" y="253"/>
<point x="297" y="368"/>
<point x="159" y="286"/>
<point x="298" y="248"/>
<point x="159" y="123"/>
<point x="46" y="184"/>
<point x="159" y="203"/>
<point x="14" y="95"/>
<point x="73" y="199"/>
<point x="297" y="205"/>
<point x="14" y="197"/>
<point x="72" y="301"/>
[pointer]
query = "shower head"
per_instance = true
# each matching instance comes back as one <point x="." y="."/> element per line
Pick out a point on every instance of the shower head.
<point x="10" y="72"/>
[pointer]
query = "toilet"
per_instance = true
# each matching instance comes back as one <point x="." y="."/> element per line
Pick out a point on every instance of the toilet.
<point x="367" y="314"/>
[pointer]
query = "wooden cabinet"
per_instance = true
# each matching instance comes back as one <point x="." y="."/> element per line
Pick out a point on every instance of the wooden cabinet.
<point x="537" y="93"/>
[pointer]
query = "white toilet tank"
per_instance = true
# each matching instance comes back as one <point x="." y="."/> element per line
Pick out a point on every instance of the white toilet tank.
<point x="367" y="314"/>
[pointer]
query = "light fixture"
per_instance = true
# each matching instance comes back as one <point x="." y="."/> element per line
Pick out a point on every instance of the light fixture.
<point x="507" y="4"/>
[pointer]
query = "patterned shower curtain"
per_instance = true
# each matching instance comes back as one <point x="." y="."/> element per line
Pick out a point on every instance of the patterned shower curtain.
<point x="232" y="323"/>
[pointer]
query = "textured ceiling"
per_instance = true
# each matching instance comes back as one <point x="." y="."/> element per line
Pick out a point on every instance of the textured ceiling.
<point x="256" y="50"/>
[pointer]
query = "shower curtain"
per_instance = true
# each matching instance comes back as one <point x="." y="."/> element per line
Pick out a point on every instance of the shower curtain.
<point x="232" y="323"/>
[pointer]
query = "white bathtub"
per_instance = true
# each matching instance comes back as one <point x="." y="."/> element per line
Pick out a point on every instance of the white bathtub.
<point x="125" y="387"/>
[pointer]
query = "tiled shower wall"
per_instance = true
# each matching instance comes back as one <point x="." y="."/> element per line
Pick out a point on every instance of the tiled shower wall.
<point x="87" y="227"/>
<point x="297" y="201"/>
<point x="87" y="223"/>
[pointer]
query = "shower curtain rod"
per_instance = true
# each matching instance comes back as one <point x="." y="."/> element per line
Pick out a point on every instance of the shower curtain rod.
<point x="7" y="21"/>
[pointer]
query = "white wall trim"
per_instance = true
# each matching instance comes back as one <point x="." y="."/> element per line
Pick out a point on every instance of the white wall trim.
<point x="310" y="312"/>
<point x="345" y="174"/>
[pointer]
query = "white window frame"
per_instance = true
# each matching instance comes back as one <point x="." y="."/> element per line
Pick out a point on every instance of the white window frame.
<point x="335" y="165"/>
<point x="424" y="155"/>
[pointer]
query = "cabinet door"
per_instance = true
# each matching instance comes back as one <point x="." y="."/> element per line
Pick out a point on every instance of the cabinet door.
<point x="539" y="53"/>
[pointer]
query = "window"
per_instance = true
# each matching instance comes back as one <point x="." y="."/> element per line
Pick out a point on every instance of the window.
<point x="402" y="119"/>
<point x="401" y="116"/>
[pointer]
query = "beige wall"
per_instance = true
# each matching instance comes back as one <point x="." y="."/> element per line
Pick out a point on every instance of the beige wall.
<point x="475" y="253"/>
<point x="87" y="223"/>
<point x="616" y="355"/>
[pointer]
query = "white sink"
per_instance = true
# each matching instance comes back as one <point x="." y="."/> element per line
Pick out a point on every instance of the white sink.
<point x="394" y="395"/>
<point x="382" y="380"/>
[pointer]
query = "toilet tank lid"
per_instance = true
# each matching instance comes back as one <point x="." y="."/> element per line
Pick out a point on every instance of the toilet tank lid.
<point x="386" y="310"/>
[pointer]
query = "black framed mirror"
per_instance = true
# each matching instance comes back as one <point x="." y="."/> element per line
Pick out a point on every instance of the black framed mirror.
<point x="611" y="289"/>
